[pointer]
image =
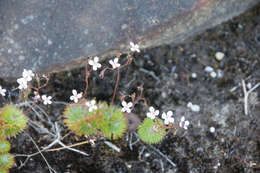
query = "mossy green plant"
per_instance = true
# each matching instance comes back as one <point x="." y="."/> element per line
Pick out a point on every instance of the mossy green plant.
<point x="13" y="121"/>
<point x="6" y="160"/>
<point x="5" y="146"/>
<point x="106" y="119"/>
<point x="151" y="131"/>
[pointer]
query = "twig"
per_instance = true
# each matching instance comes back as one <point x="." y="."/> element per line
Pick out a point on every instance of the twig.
<point x="151" y="73"/>
<point x="114" y="147"/>
<point x="159" y="152"/>
<point x="246" y="94"/>
<point x="50" y="168"/>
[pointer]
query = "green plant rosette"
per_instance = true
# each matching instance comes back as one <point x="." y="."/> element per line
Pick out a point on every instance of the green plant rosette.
<point x="150" y="131"/>
<point x="2" y="170"/>
<point x="113" y="122"/>
<point x="5" y="146"/>
<point x="6" y="160"/>
<point x="13" y="121"/>
<point x="80" y="120"/>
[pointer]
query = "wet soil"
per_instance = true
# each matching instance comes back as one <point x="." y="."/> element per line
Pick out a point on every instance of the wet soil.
<point x="165" y="74"/>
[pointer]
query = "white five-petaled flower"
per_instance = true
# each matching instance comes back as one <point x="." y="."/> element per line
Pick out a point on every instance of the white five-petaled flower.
<point x="114" y="63"/>
<point x="46" y="100"/>
<point x="94" y="63"/>
<point x="27" y="75"/>
<point x="91" y="105"/>
<point x="22" y="83"/>
<point x="134" y="47"/>
<point x="168" y="117"/>
<point x="184" y="124"/>
<point x="126" y="106"/>
<point x="75" y="97"/>
<point x="153" y="113"/>
<point x="2" y="91"/>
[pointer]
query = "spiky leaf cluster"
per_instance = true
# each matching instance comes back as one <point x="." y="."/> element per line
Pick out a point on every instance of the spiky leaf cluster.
<point x="6" y="159"/>
<point x="107" y="119"/>
<point x="12" y="121"/>
<point x="151" y="131"/>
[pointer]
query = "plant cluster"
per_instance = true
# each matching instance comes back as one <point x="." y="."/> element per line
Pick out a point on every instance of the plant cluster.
<point x="86" y="116"/>
<point x="12" y="122"/>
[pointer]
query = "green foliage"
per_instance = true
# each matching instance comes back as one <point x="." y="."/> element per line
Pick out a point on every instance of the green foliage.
<point x="6" y="160"/>
<point x="13" y="121"/>
<point x="5" y="146"/>
<point x="2" y="170"/>
<point x="107" y="119"/>
<point x="150" y="131"/>
<point x="78" y="119"/>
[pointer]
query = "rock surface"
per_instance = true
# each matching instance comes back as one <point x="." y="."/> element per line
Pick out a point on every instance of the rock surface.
<point x="55" y="35"/>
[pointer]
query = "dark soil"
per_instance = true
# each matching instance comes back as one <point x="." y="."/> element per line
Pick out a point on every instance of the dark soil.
<point x="165" y="74"/>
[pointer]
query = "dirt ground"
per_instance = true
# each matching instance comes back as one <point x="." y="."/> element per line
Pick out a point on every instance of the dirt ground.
<point x="166" y="75"/>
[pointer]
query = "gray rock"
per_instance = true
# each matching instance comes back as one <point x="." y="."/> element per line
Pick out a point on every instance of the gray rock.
<point x="55" y="35"/>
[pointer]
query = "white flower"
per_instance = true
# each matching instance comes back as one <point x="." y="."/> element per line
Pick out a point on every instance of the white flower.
<point x="114" y="63"/>
<point x="184" y="124"/>
<point x="168" y="117"/>
<point x="219" y="56"/>
<point x="126" y="107"/>
<point x="134" y="47"/>
<point x="75" y="97"/>
<point x="46" y="100"/>
<point x="91" y="105"/>
<point x="22" y="83"/>
<point x="2" y="91"/>
<point x="27" y="75"/>
<point x="194" y="75"/>
<point x="153" y="113"/>
<point x="95" y="63"/>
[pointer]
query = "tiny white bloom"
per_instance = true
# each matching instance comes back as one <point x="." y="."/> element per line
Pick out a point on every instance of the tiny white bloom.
<point x="219" y="56"/>
<point x="168" y="117"/>
<point x="114" y="63"/>
<point x="213" y="74"/>
<point x="22" y="83"/>
<point x="75" y="97"/>
<point x="2" y="91"/>
<point x="46" y="100"/>
<point x="184" y="124"/>
<point x="95" y="63"/>
<point x="153" y="113"/>
<point x="27" y="75"/>
<point x="91" y="105"/>
<point x="209" y="69"/>
<point x="134" y="47"/>
<point x="126" y="106"/>
<point x="212" y="129"/>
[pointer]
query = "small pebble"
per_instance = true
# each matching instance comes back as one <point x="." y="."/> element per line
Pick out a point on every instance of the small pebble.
<point x="219" y="56"/>
<point x="209" y="69"/>
<point x="194" y="75"/>
<point x="249" y="85"/>
<point x="213" y="74"/>
<point x="219" y="73"/>
<point x="212" y="129"/>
